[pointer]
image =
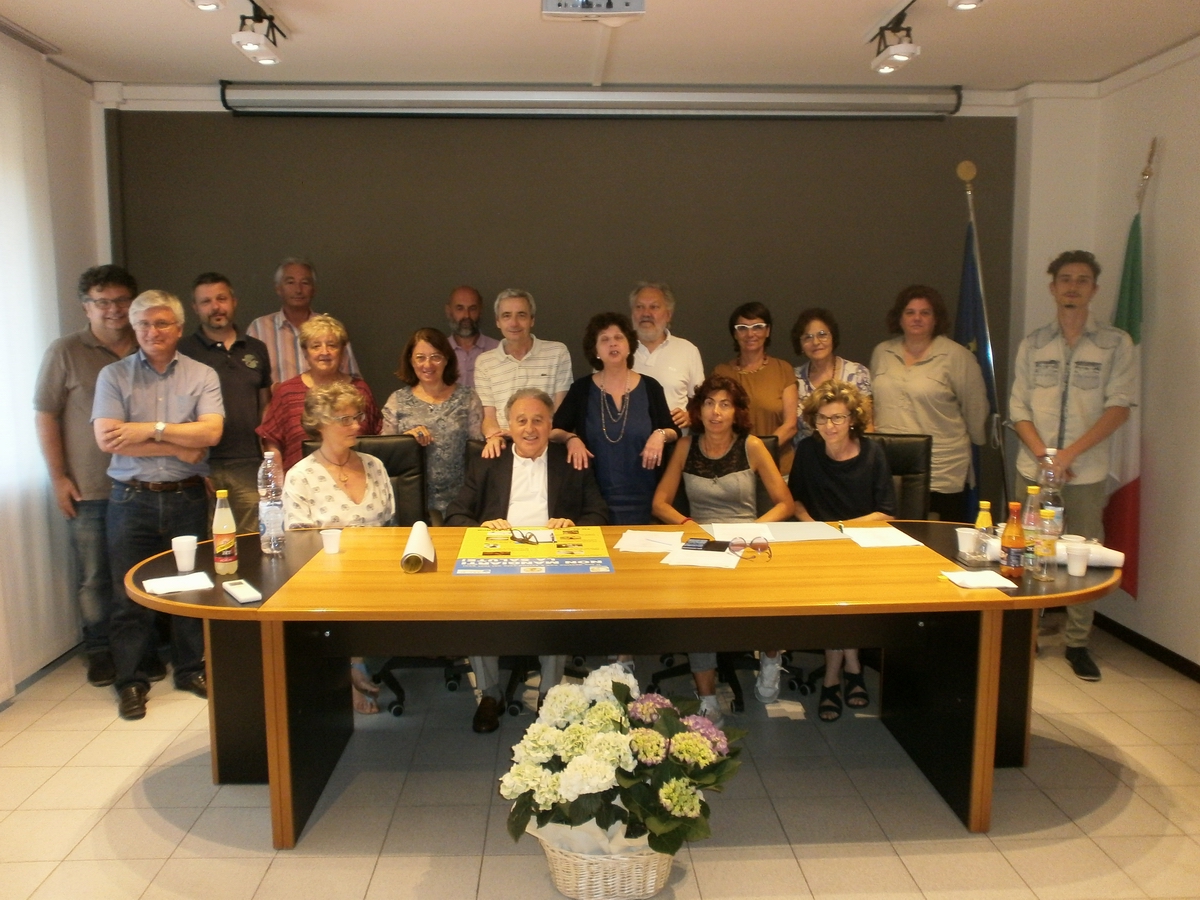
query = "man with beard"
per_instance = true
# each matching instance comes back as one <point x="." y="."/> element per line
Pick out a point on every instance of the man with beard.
<point x="672" y="361"/>
<point x="463" y="310"/>
<point x="243" y="366"/>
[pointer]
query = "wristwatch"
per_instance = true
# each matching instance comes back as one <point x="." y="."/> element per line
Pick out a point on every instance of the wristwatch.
<point x="159" y="428"/>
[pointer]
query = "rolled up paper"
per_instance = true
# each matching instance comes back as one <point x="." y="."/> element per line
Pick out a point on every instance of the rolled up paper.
<point x="1100" y="556"/>
<point x="419" y="549"/>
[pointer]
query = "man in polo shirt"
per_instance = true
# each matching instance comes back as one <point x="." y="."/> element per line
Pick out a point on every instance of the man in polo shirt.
<point x="157" y="412"/>
<point x="243" y="366"/>
<point x="66" y="387"/>
<point x="463" y="310"/>
<point x="670" y="360"/>
<point x="296" y="285"/>
<point x="1073" y="384"/>
<point x="521" y="361"/>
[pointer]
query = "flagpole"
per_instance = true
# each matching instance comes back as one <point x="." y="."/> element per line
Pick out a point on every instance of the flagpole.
<point x="966" y="172"/>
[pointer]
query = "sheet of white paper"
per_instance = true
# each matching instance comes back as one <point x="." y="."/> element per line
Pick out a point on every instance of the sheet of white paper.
<point x="748" y="530"/>
<point x="171" y="584"/>
<point x="706" y="559"/>
<point x="881" y="537"/>
<point x="650" y="541"/>
<point x="783" y="532"/>
<point x="980" y="578"/>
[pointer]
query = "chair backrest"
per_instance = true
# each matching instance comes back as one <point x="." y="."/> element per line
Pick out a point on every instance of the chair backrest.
<point x="910" y="457"/>
<point x="762" y="500"/>
<point x="404" y="460"/>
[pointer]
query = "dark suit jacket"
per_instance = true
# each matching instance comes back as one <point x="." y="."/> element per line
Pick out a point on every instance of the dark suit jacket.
<point x="571" y="494"/>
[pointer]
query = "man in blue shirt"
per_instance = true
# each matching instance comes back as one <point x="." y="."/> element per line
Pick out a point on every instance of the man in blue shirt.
<point x="157" y="412"/>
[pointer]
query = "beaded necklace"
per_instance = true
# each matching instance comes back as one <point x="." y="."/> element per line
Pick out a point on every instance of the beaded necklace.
<point x="622" y="416"/>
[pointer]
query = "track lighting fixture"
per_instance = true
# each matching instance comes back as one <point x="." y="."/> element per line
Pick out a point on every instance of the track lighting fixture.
<point x="964" y="5"/>
<point x="207" y="5"/>
<point x="889" y="56"/>
<point x="260" y="46"/>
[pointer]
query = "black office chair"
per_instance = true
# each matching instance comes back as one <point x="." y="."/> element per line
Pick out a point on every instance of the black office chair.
<point x="404" y="459"/>
<point x="729" y="663"/>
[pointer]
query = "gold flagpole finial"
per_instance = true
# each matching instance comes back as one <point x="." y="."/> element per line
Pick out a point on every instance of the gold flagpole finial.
<point x="1147" y="174"/>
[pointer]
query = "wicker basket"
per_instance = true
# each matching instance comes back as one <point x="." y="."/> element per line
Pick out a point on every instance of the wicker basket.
<point x="608" y="877"/>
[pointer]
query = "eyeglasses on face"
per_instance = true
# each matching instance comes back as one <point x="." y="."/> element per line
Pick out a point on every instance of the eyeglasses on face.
<point x="836" y="419"/>
<point x="816" y="337"/>
<point x="105" y="304"/>
<point x="756" y="328"/>
<point x="750" y="549"/>
<point x="527" y="537"/>
<point x="349" y="420"/>
<point x="434" y="359"/>
<point x="159" y="325"/>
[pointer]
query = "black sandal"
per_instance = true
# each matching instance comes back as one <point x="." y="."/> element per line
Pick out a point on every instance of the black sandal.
<point x="829" y="708"/>
<point x="856" y="690"/>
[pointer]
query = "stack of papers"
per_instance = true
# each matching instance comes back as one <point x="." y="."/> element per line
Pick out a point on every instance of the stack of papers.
<point x="980" y="578"/>
<point x="881" y="537"/>
<point x="650" y="541"/>
<point x="775" y="532"/>
<point x="705" y="559"/>
<point x="173" y="584"/>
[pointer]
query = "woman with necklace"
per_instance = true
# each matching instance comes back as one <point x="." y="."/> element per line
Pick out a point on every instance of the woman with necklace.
<point x="838" y="477"/>
<point x="719" y="465"/>
<point x="617" y="418"/>
<point x="769" y="382"/>
<point x="324" y="339"/>
<point x="925" y="383"/>
<point x="440" y="413"/>
<point x="816" y="337"/>
<point x="337" y="487"/>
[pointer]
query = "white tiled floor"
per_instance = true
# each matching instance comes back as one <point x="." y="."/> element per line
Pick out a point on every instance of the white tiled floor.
<point x="94" y="808"/>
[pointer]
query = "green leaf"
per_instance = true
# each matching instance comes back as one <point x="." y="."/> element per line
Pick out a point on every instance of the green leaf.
<point x="635" y="829"/>
<point x="519" y="815"/>
<point x="662" y="824"/>
<point x="584" y="808"/>
<point x="697" y="829"/>
<point x="621" y="692"/>
<point x="627" y="779"/>
<point x="669" y="842"/>
<point x="735" y="734"/>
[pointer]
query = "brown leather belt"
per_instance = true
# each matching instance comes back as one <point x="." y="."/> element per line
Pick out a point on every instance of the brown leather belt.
<point x="164" y="487"/>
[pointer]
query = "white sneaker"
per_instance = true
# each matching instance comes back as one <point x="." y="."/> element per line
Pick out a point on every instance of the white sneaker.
<point x="711" y="710"/>
<point x="766" y="689"/>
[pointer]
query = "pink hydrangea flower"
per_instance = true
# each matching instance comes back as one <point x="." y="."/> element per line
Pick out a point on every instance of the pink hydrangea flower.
<point x="648" y="707"/>
<point x="703" y="726"/>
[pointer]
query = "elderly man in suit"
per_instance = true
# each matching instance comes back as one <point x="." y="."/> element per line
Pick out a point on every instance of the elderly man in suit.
<point x="532" y="485"/>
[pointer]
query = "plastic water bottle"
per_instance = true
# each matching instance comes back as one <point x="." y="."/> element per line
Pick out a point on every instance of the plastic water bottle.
<point x="1045" y="567"/>
<point x="1031" y="520"/>
<point x="270" y="505"/>
<point x="1051" y="480"/>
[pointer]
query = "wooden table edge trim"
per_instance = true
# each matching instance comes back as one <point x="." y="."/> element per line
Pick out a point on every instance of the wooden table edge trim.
<point x="987" y="700"/>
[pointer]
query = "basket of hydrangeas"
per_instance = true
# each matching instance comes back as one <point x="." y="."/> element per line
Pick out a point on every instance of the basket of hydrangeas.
<point x="612" y="783"/>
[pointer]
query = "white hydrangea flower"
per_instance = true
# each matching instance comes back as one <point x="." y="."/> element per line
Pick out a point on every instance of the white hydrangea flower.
<point x="585" y="775"/>
<point x="565" y="704"/>
<point x="599" y="682"/>
<point x="574" y="740"/>
<point x="539" y="745"/>
<point x="524" y="776"/>
<point x="613" y="748"/>
<point x="546" y="793"/>
<point x="606" y="715"/>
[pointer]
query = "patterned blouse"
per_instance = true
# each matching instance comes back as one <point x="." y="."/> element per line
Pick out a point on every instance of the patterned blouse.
<point x="312" y="498"/>
<point x="281" y="421"/>
<point x="452" y="423"/>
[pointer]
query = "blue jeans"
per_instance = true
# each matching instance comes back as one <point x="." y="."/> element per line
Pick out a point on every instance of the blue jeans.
<point x="140" y="524"/>
<point x="93" y="577"/>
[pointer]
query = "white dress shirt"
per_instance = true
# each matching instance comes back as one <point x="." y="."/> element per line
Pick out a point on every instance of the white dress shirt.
<point x="529" y="498"/>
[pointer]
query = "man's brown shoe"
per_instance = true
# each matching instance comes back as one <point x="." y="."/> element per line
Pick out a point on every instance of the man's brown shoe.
<point x="131" y="701"/>
<point x="487" y="716"/>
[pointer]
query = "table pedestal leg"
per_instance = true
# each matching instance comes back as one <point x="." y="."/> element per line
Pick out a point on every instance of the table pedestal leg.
<point x="1016" y="688"/>
<point x="233" y="656"/>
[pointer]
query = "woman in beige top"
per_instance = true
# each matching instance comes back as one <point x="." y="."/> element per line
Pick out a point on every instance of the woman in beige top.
<point x="768" y="381"/>
<point x="925" y="383"/>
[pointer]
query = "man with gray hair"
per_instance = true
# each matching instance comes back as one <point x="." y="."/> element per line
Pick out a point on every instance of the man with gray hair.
<point x="296" y="285"/>
<point x="157" y="412"/>
<point x="521" y="361"/>
<point x="670" y="360"/>
<point x="533" y="485"/>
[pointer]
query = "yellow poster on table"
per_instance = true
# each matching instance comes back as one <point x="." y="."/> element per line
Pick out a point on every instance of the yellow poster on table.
<point x="533" y="551"/>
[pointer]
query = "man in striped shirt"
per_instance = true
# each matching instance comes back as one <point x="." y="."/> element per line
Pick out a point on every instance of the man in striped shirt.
<point x="521" y="361"/>
<point x="296" y="285"/>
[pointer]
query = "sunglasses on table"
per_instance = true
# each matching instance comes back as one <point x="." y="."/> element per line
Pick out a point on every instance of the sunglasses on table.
<point x="750" y="549"/>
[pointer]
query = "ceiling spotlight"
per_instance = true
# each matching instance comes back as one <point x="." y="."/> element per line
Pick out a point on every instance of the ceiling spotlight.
<point x="964" y="5"/>
<point x="891" y="56"/>
<point x="207" y="5"/>
<point x="260" y="46"/>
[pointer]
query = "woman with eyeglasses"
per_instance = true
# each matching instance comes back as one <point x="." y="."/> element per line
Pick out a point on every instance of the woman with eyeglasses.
<point x="338" y="487"/>
<point x="925" y="383"/>
<point x="816" y="336"/>
<point x="719" y="465"/>
<point x="838" y="477"/>
<point x="768" y="381"/>
<point x="435" y="409"/>
<point x="324" y="339"/>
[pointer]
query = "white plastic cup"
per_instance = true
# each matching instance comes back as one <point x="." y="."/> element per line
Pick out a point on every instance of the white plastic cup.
<point x="1072" y="538"/>
<point x="1077" y="558"/>
<point x="968" y="541"/>
<point x="331" y="539"/>
<point x="185" y="552"/>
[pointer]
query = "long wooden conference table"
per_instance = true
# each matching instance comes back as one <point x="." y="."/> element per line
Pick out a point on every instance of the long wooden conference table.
<point x="957" y="664"/>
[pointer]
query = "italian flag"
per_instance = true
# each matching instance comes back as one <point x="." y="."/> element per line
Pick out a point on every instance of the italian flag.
<point x="1122" y="516"/>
